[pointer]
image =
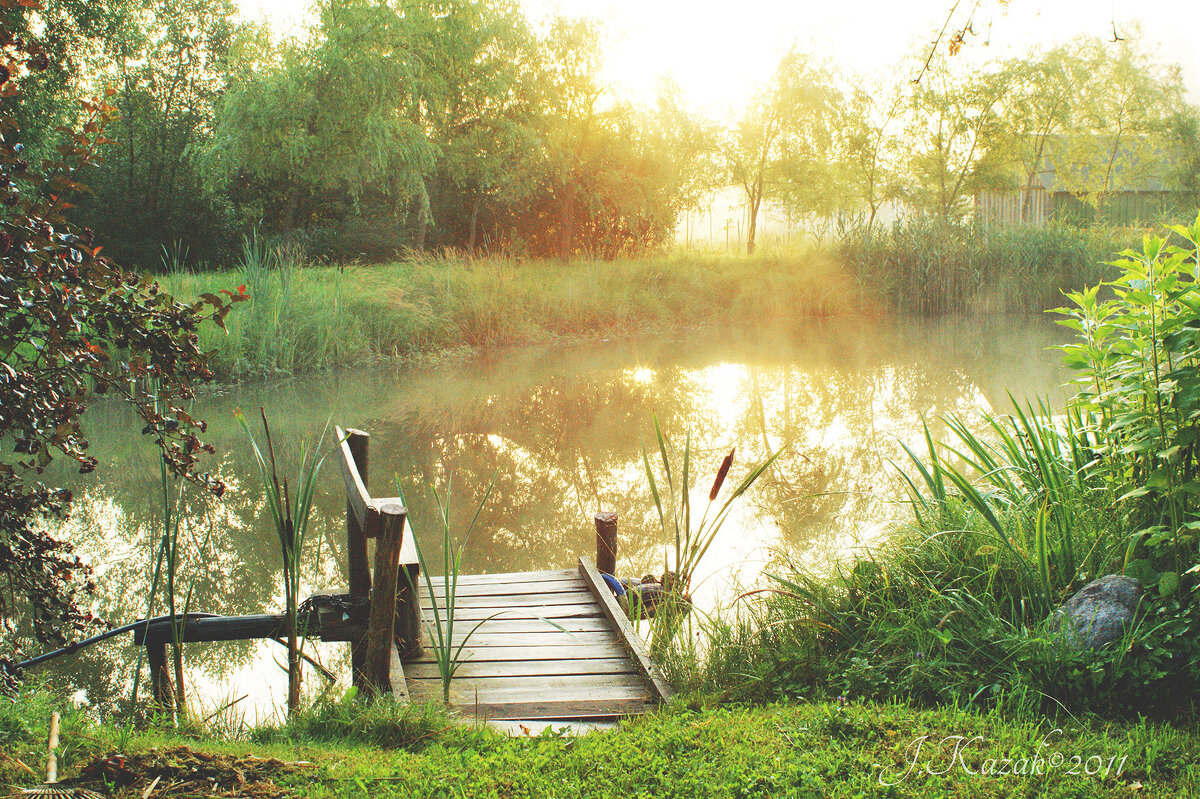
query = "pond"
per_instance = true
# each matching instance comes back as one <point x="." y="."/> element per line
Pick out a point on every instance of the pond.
<point x="561" y="431"/>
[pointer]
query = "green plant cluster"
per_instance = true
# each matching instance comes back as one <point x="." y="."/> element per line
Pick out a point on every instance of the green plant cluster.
<point x="837" y="749"/>
<point x="931" y="266"/>
<point x="957" y="605"/>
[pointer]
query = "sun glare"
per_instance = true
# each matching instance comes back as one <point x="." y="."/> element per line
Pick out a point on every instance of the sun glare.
<point x="719" y="53"/>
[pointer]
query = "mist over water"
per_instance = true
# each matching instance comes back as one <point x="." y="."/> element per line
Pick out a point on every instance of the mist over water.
<point x="561" y="430"/>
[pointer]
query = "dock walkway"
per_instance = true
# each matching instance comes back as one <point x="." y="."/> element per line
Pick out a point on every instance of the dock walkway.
<point x="560" y="649"/>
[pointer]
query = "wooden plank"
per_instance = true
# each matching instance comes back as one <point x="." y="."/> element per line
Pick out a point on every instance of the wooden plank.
<point x="549" y="587"/>
<point x="521" y="577"/>
<point x="358" y="566"/>
<point x="533" y="639"/>
<point x="633" y="643"/>
<point x="552" y="709"/>
<point x="357" y="497"/>
<point x="513" y="600"/>
<point x="582" y="652"/>
<point x="567" y="611"/>
<point x="548" y="685"/>
<point x="500" y="626"/>
<point x="465" y="694"/>
<point x="536" y="727"/>
<point x="427" y="668"/>
<point x="381" y="621"/>
<point x="396" y="677"/>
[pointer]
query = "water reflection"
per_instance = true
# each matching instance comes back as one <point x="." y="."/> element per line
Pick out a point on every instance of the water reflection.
<point x="561" y="431"/>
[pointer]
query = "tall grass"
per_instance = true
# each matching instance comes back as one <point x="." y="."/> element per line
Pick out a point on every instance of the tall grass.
<point x="930" y="267"/>
<point x="290" y="517"/>
<point x="954" y="606"/>
<point x="302" y="316"/>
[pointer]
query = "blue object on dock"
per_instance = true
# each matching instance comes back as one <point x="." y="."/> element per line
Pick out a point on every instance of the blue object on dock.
<point x="617" y="588"/>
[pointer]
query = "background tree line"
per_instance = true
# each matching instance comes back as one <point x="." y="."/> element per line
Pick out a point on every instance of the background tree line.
<point x="456" y="123"/>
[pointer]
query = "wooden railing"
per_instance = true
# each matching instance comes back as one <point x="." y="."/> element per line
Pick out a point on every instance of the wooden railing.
<point x="393" y="623"/>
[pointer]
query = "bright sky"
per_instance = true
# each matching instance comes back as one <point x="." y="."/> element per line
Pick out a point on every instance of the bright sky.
<point x="717" y="52"/>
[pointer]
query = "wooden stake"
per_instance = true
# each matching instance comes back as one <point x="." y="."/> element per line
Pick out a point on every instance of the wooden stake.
<point x="160" y="677"/>
<point x="606" y="542"/>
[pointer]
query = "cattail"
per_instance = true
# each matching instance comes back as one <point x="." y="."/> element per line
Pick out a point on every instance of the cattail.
<point x="721" y="473"/>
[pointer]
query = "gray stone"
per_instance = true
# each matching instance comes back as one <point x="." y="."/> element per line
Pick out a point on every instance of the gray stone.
<point x="1099" y="613"/>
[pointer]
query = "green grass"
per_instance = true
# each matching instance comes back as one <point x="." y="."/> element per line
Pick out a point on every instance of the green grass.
<point x="953" y="607"/>
<point x="307" y="317"/>
<point x="783" y="750"/>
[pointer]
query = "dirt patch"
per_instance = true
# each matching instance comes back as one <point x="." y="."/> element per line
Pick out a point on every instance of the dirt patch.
<point x="184" y="772"/>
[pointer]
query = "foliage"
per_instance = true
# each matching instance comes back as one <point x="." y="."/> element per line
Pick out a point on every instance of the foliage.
<point x="290" y="516"/>
<point x="319" y="114"/>
<point x="781" y="148"/>
<point x="448" y="648"/>
<point x="957" y="606"/>
<point x="384" y="723"/>
<point x="72" y="323"/>
<point x="801" y="750"/>
<point x="931" y="267"/>
<point x="169" y="62"/>
<point x="1136" y="355"/>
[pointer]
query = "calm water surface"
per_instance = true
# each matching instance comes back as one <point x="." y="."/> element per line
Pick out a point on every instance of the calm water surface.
<point x="561" y="430"/>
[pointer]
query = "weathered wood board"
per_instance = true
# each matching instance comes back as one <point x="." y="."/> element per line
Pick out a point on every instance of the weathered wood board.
<point x="547" y="649"/>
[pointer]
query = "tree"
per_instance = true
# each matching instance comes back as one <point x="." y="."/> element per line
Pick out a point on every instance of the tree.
<point x="169" y="60"/>
<point x="953" y="125"/>
<point x="779" y="151"/>
<point x="72" y="324"/>
<point x="1038" y="109"/>
<point x="476" y="99"/>
<point x="1121" y="124"/>
<point x="324" y="115"/>
<point x="868" y="148"/>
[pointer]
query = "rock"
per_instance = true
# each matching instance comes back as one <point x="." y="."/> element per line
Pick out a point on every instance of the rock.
<point x="1099" y="613"/>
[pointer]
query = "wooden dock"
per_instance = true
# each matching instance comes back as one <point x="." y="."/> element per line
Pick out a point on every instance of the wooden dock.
<point x="561" y="650"/>
<point x="555" y="649"/>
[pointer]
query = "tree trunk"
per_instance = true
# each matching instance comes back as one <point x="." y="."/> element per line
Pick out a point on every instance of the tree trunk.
<point x="474" y="223"/>
<point x="287" y="221"/>
<point x="422" y="228"/>
<point x="752" y="227"/>
<point x="566" y="223"/>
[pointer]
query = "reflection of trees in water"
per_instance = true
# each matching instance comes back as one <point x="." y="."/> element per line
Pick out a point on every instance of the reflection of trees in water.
<point x="562" y="433"/>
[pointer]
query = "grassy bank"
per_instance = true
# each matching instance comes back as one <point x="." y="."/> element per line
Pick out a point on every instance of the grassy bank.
<point x="310" y="317"/>
<point x="799" y="750"/>
<point x="306" y="316"/>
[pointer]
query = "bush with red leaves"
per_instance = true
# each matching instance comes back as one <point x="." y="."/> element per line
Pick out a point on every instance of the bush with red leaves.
<point x="72" y="324"/>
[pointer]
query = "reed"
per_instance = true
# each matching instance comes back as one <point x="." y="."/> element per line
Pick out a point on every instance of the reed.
<point x="930" y="267"/>
<point x="447" y="653"/>
<point x="691" y="541"/>
<point x="290" y="517"/>
<point x="303" y="316"/>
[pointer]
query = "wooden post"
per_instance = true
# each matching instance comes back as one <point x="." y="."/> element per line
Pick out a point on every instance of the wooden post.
<point x="358" y="567"/>
<point x="606" y="542"/>
<point x="408" y="610"/>
<point x="381" y="623"/>
<point x="160" y="676"/>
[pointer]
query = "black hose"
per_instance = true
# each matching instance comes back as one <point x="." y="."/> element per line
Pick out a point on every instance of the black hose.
<point x="104" y="636"/>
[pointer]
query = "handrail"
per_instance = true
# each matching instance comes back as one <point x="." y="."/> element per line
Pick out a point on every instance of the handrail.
<point x="393" y="615"/>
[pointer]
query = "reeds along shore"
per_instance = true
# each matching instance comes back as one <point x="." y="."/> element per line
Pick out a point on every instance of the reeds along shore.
<point x="303" y="316"/>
